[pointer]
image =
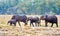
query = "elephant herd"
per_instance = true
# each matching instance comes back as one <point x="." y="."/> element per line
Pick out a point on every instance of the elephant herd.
<point x="23" y="18"/>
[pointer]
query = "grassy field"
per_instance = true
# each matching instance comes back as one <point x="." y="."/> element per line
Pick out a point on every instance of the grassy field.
<point x="7" y="30"/>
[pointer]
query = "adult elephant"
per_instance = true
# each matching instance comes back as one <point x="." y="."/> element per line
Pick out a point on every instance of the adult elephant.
<point x="34" y="20"/>
<point x="50" y="19"/>
<point x="20" y="18"/>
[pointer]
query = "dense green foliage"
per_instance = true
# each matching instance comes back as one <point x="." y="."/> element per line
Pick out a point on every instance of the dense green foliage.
<point x="30" y="7"/>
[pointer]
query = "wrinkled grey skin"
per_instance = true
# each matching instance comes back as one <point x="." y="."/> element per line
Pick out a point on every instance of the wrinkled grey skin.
<point x="50" y="19"/>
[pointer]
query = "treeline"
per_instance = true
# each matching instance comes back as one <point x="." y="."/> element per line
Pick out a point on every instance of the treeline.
<point x="29" y="7"/>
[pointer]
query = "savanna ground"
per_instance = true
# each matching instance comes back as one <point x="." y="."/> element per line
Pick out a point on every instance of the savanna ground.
<point x="7" y="30"/>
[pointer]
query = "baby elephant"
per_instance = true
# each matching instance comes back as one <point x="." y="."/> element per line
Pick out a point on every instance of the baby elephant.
<point x="12" y="21"/>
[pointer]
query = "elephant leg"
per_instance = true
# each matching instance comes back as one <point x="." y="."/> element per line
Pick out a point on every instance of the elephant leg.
<point x="35" y="24"/>
<point x="32" y="24"/>
<point x="19" y="23"/>
<point x="46" y="24"/>
<point x="25" y="23"/>
<point x="52" y="25"/>
<point x="14" y="24"/>
<point x="39" y="24"/>
<point x="10" y="24"/>
<point x="57" y="24"/>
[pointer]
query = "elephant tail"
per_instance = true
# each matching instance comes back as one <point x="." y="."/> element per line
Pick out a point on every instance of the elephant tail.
<point x="57" y="23"/>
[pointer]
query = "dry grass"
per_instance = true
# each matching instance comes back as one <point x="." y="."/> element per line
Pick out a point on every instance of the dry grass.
<point x="7" y="30"/>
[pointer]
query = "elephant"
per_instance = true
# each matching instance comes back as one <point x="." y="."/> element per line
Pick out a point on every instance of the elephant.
<point x="34" y="20"/>
<point x="50" y="19"/>
<point x="20" y="18"/>
<point x="12" y="21"/>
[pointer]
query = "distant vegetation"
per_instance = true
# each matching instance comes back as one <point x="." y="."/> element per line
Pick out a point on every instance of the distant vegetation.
<point x="30" y="7"/>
